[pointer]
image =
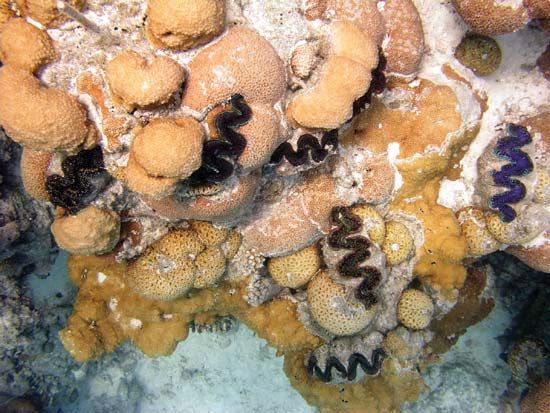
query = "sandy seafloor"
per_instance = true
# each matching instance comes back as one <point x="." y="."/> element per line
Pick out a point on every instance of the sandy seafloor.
<point x="235" y="371"/>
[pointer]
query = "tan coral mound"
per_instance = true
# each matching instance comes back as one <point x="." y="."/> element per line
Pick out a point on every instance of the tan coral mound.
<point x="296" y="221"/>
<point x="490" y="18"/>
<point x="185" y="24"/>
<point x="333" y="310"/>
<point x="415" y="309"/>
<point x="40" y="118"/>
<point x="295" y="270"/>
<point x="184" y="258"/>
<point x="92" y="231"/>
<point x="526" y="227"/>
<point x="24" y="46"/>
<point x="136" y="82"/>
<point x="344" y="78"/>
<point x="242" y="62"/>
<point x="34" y="167"/>
<point x="170" y="148"/>
<point x="140" y="181"/>
<point x="537" y="257"/>
<point x="474" y="228"/>
<point x="46" y="12"/>
<point x="167" y="269"/>
<point x="405" y="45"/>
<point x="538" y="399"/>
<point x="372" y="221"/>
<point x="398" y="244"/>
<point x="221" y="207"/>
<point x="263" y="134"/>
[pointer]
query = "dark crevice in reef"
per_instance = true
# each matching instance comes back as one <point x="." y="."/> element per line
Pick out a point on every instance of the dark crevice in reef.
<point x="350" y="266"/>
<point x="84" y="177"/>
<point x="219" y="155"/>
<point x="520" y="164"/>
<point x="356" y="360"/>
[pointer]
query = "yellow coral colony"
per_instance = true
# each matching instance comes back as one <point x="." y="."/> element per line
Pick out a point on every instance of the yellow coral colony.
<point x="297" y="180"/>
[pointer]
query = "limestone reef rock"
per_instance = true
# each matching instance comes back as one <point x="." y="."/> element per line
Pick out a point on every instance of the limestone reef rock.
<point x="330" y="186"/>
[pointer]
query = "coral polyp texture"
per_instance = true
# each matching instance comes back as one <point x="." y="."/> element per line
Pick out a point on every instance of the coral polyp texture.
<point x="328" y="180"/>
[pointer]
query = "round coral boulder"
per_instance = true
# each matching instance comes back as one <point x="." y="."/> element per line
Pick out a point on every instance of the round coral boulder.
<point x="185" y="24"/>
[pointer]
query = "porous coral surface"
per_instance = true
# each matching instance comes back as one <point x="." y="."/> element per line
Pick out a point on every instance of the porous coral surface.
<point x="326" y="172"/>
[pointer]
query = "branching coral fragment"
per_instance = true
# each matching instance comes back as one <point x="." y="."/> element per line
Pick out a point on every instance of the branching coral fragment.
<point x="520" y="164"/>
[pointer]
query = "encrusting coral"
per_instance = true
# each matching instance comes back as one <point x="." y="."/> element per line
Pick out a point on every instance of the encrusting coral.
<point x="34" y="167"/>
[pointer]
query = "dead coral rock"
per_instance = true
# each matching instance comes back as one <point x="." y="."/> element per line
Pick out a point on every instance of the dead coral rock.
<point x="134" y="81"/>
<point x="34" y="167"/>
<point x="92" y="231"/>
<point x="186" y="24"/>
<point x="405" y="45"/>
<point x="170" y="148"/>
<point x="40" y="118"/>
<point x="538" y="399"/>
<point x="492" y="18"/>
<point x="46" y="12"/>
<point x="537" y="257"/>
<point x="24" y="46"/>
<point x="242" y="62"/>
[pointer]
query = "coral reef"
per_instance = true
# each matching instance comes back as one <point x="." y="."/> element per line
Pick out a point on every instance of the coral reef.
<point x="330" y="185"/>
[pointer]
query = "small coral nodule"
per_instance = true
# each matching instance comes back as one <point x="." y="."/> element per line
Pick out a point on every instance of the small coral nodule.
<point x="84" y="177"/>
<point x="520" y="164"/>
<point x="356" y="360"/>
<point x="307" y="145"/>
<point x="479" y="53"/>
<point x="215" y="166"/>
